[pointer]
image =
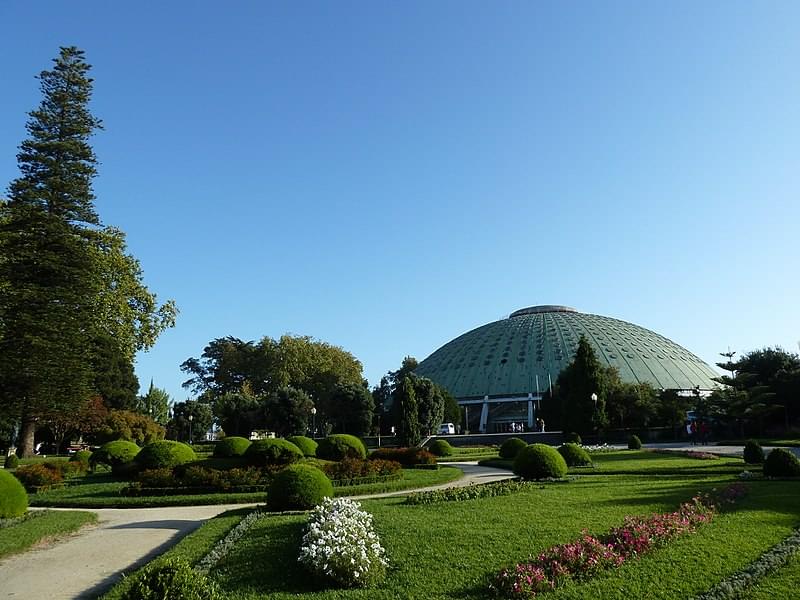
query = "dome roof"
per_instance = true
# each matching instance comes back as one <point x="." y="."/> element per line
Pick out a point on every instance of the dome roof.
<point x="504" y="358"/>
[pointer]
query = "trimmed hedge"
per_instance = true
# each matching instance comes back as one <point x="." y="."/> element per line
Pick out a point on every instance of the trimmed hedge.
<point x="164" y="454"/>
<point x="340" y="446"/>
<point x="634" y="443"/>
<point x="11" y="462"/>
<point x="781" y="463"/>
<point x="408" y="457"/>
<point x="574" y="455"/>
<point x="753" y="453"/>
<point x="572" y="438"/>
<point x="511" y="448"/>
<point x="441" y="448"/>
<point x="539" y="461"/>
<point x="273" y="453"/>
<point x="231" y="446"/>
<point x="306" y="444"/>
<point x="114" y="454"/>
<point x="13" y="499"/>
<point x="298" y="487"/>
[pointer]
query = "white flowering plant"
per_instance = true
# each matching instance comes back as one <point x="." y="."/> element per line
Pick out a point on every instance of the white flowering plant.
<point x="341" y="544"/>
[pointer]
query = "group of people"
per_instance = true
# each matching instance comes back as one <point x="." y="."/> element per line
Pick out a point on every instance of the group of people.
<point x="698" y="432"/>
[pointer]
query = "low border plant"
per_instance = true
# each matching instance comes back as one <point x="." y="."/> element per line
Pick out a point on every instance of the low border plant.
<point x="470" y="492"/>
<point x="776" y="557"/>
<point x="223" y="547"/>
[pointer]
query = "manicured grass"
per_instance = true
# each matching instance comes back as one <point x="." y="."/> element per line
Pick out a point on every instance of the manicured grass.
<point x="41" y="527"/>
<point x="783" y="583"/>
<point x="452" y="551"/>
<point x="97" y="490"/>
<point x="40" y="459"/>
<point x="471" y="453"/>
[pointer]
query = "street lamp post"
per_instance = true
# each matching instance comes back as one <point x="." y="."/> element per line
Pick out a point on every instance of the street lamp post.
<point x="191" y="418"/>
<point x="313" y="422"/>
<point x="594" y="414"/>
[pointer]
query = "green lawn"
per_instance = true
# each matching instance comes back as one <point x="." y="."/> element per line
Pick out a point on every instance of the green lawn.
<point x="102" y="490"/>
<point x="783" y="583"/>
<point x="450" y="550"/>
<point x="40" y="527"/>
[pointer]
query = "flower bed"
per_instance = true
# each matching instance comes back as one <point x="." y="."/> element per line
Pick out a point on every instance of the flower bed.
<point x="686" y="453"/>
<point x="340" y="544"/>
<point x="197" y="480"/>
<point x="354" y="471"/>
<point x="590" y="555"/>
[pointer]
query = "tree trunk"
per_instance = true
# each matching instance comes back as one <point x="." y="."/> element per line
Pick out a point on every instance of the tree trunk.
<point x="25" y="443"/>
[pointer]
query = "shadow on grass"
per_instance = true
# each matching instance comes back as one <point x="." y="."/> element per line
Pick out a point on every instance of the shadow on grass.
<point x="274" y="550"/>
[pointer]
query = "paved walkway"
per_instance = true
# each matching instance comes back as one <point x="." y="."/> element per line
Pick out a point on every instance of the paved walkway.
<point x="89" y="563"/>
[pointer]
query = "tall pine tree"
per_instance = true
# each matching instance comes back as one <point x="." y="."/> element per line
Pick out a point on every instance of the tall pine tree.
<point x="583" y="377"/>
<point x="65" y="281"/>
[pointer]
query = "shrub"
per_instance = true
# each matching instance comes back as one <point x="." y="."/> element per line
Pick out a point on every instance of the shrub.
<point x="38" y="476"/>
<point x="441" y="448"/>
<point x="634" y="443"/>
<point x="539" y="461"/>
<point x="470" y="492"/>
<point x="753" y="453"/>
<point x="353" y="468"/>
<point x="574" y="455"/>
<point x="81" y="456"/>
<point x="231" y="446"/>
<point x="171" y="579"/>
<point x="511" y="448"/>
<point x="156" y="478"/>
<point x="408" y="457"/>
<point x="13" y="499"/>
<point x="306" y="444"/>
<point x="298" y="487"/>
<point x="114" y="454"/>
<point x="572" y="438"/>
<point x="12" y="461"/>
<point x="341" y="445"/>
<point x="780" y="463"/>
<point x="273" y="453"/>
<point x="341" y="544"/>
<point x="164" y="454"/>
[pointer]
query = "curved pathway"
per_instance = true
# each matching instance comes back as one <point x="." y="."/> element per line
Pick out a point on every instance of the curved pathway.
<point x="90" y="562"/>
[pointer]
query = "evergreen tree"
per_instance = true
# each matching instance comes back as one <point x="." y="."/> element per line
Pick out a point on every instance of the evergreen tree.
<point x="155" y="404"/>
<point x="350" y="409"/>
<point x="583" y="377"/>
<point x="408" y="425"/>
<point x="114" y="377"/>
<point x="65" y="281"/>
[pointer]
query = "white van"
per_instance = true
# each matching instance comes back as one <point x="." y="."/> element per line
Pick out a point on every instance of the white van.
<point x="447" y="429"/>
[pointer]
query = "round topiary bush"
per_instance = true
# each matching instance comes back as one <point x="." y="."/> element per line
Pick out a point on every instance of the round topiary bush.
<point x="574" y="455"/>
<point x="164" y="454"/>
<point x="634" y="443"/>
<point x="511" y="447"/>
<point x="781" y="463"/>
<point x="441" y="448"/>
<point x="273" y="453"/>
<point x="13" y="498"/>
<point x="572" y="438"/>
<point x="306" y="444"/>
<point x="753" y="453"/>
<point x="171" y="579"/>
<point x="11" y="462"/>
<point x="231" y="446"/>
<point x="539" y="461"/>
<point x="114" y="454"/>
<point x="340" y="446"/>
<point x="298" y="487"/>
<point x="81" y="456"/>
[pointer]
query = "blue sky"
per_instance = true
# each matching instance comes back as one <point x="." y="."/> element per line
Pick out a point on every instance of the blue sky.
<point x="386" y="176"/>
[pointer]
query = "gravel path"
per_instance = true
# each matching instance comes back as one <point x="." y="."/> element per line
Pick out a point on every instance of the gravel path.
<point x="90" y="562"/>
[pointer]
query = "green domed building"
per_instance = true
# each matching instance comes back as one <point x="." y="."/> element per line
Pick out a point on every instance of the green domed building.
<point x="515" y="360"/>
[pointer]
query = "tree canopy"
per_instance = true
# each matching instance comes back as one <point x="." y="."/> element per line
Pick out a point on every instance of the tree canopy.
<point x="67" y="282"/>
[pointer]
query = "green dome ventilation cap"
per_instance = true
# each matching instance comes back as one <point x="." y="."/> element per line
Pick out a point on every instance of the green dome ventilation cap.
<point x="542" y="308"/>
